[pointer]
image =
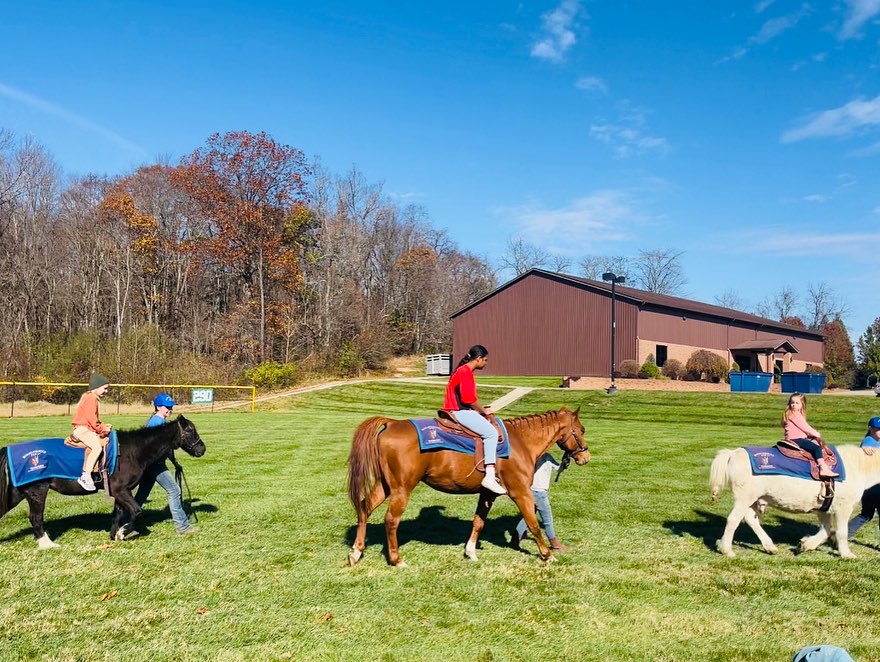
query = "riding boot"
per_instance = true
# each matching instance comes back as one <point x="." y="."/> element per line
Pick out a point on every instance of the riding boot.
<point x="826" y="471"/>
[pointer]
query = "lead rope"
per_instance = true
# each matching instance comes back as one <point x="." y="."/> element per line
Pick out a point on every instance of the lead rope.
<point x="563" y="465"/>
<point x="180" y="479"/>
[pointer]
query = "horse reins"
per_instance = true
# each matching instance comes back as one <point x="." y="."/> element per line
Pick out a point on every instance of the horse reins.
<point x="180" y="479"/>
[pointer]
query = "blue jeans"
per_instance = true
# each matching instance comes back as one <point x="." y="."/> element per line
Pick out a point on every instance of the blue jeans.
<point x="159" y="473"/>
<point x="542" y="506"/>
<point x="870" y="505"/>
<point x="475" y="421"/>
<point x="810" y="446"/>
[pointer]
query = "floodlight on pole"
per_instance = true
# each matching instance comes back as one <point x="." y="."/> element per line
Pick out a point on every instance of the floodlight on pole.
<point x="614" y="279"/>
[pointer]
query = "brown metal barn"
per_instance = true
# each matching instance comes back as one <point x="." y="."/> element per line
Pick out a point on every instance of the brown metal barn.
<point x="544" y="323"/>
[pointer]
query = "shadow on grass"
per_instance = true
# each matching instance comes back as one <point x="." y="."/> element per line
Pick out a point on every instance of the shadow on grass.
<point x="709" y="527"/>
<point x="102" y="521"/>
<point x="433" y="527"/>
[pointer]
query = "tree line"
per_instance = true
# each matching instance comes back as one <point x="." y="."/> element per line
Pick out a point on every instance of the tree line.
<point x="243" y="253"/>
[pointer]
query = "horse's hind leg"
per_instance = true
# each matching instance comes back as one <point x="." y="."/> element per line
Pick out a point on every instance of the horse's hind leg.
<point x="368" y="505"/>
<point x="810" y="543"/>
<point x="725" y="544"/>
<point x="36" y="498"/>
<point x="754" y="522"/>
<point x="483" y="507"/>
<point x="399" y="500"/>
<point x="841" y="526"/>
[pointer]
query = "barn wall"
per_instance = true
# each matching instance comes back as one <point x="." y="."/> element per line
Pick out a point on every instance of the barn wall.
<point x="539" y="326"/>
<point x="542" y="325"/>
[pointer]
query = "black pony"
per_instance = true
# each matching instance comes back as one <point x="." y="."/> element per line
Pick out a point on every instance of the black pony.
<point x="138" y="449"/>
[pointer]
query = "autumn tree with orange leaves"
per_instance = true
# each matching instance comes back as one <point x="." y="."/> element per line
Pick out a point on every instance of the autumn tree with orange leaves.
<point x="249" y="187"/>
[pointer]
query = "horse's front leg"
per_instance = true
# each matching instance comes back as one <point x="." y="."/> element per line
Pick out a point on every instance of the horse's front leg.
<point x="36" y="498"/>
<point x="125" y="508"/>
<point x="484" y="505"/>
<point x="526" y="504"/>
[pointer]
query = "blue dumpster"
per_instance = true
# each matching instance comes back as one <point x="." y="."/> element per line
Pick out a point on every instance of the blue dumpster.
<point x="753" y="382"/>
<point x="803" y="382"/>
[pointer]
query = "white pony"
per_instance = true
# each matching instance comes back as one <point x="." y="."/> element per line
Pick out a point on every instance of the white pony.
<point x="796" y="495"/>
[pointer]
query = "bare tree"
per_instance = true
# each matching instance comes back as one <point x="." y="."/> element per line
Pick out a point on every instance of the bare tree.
<point x="729" y="299"/>
<point x="522" y="256"/>
<point x="822" y="305"/>
<point x="659" y="271"/>
<point x="559" y="263"/>
<point x="593" y="266"/>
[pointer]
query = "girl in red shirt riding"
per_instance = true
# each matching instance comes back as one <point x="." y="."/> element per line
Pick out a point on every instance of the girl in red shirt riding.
<point x="461" y="401"/>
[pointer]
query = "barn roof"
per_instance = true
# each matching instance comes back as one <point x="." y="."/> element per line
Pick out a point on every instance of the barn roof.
<point x="643" y="299"/>
<point x="766" y="345"/>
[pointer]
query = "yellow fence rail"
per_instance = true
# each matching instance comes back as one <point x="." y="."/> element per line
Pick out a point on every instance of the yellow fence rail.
<point x="252" y="389"/>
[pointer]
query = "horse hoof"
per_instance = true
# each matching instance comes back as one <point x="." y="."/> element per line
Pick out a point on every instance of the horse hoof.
<point x="401" y="564"/>
<point x="354" y="556"/>
<point x="771" y="550"/>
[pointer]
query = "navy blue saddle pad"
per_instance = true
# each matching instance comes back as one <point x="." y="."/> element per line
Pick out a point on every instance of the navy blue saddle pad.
<point x="434" y="438"/>
<point x="40" y="459"/>
<point x="771" y="461"/>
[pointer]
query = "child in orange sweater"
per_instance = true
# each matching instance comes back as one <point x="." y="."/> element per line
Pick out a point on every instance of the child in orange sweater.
<point x="89" y="429"/>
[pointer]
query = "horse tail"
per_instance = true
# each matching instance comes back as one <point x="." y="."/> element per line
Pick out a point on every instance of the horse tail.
<point x="364" y="469"/>
<point x="5" y="484"/>
<point x="719" y="478"/>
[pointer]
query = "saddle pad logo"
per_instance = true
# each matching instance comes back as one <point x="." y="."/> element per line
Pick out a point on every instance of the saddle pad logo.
<point x="35" y="460"/>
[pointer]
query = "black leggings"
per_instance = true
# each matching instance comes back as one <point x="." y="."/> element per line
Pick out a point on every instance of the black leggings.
<point x="810" y="446"/>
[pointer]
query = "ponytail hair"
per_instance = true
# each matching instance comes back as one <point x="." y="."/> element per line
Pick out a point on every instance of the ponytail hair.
<point x="475" y="352"/>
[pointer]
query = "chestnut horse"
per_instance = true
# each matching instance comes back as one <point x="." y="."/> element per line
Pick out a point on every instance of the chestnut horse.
<point x="385" y="461"/>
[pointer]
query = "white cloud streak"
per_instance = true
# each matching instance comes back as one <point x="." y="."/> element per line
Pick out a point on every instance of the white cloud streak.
<point x="628" y="134"/>
<point x="771" y="29"/>
<point x="558" y="35"/>
<point x="46" y="107"/>
<point x="858" y="13"/>
<point x="591" y="84"/>
<point x="853" y="116"/>
<point x="783" y="242"/>
<point x="599" y="217"/>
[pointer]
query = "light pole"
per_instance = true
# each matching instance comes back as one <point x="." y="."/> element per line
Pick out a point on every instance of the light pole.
<point x="614" y="279"/>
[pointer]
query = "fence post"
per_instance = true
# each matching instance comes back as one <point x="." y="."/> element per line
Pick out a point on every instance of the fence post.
<point x="12" y="406"/>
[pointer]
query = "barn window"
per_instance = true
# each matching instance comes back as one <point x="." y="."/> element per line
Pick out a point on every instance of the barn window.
<point x="661" y="355"/>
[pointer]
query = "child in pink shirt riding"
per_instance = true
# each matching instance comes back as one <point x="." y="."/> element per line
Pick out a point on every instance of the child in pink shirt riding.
<point x="799" y="433"/>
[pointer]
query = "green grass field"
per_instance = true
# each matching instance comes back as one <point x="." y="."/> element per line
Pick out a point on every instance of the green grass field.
<point x="264" y="579"/>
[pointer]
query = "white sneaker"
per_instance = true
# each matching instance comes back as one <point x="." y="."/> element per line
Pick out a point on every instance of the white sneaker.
<point x="87" y="483"/>
<point x="491" y="483"/>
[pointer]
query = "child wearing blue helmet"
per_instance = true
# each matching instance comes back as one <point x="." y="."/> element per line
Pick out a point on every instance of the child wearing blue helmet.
<point x="871" y="496"/>
<point x="163" y="404"/>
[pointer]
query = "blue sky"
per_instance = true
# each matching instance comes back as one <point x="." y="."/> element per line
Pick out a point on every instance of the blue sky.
<point x="745" y="134"/>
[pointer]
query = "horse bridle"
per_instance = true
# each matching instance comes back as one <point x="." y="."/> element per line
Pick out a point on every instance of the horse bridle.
<point x="186" y="434"/>
<point x="567" y="454"/>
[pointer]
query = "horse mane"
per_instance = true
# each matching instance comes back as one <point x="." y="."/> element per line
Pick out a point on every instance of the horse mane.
<point x="535" y="421"/>
<point x="139" y="434"/>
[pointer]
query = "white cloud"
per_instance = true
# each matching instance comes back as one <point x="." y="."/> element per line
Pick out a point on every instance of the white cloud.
<point x="850" y="117"/>
<point x="761" y="6"/>
<point x="627" y="135"/>
<point x="783" y="242"/>
<point x="557" y="36"/>
<point x="45" y="106"/>
<point x="591" y="84"/>
<point x="858" y="13"/>
<point x="771" y="29"/>
<point x="601" y="216"/>
<point x="817" y="197"/>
